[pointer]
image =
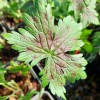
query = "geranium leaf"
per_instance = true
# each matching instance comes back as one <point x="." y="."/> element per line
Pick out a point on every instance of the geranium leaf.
<point x="42" y="39"/>
<point x="89" y="16"/>
<point x="76" y="6"/>
<point x="67" y="27"/>
<point x="85" y="10"/>
<point x="91" y="3"/>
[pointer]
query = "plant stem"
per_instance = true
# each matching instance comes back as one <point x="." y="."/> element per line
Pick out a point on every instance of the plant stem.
<point x="7" y="87"/>
<point x="33" y="73"/>
<point x="42" y="89"/>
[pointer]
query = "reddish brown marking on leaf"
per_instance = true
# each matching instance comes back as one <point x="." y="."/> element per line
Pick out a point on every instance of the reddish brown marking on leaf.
<point x="58" y="54"/>
<point x="51" y="77"/>
<point x="59" y="70"/>
<point x="62" y="71"/>
<point x="62" y="49"/>
<point x="40" y="38"/>
<point x="68" y="29"/>
<point x="37" y="43"/>
<point x="36" y="40"/>
<point x="60" y="64"/>
<point x="79" y="66"/>
<point x="46" y="16"/>
<point x="46" y="72"/>
<point x="29" y="48"/>
<point x="35" y="19"/>
<point x="50" y="35"/>
<point x="34" y="57"/>
<point x="24" y="38"/>
<point x="49" y="38"/>
<point x="74" y="73"/>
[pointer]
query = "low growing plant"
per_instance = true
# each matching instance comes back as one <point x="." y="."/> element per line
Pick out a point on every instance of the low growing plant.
<point x="11" y="8"/>
<point x="15" y="68"/>
<point x="85" y="11"/>
<point x="42" y="39"/>
<point x="10" y="88"/>
<point x="10" y="85"/>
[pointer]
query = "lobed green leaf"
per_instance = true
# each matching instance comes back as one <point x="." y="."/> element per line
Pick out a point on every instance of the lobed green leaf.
<point x="42" y="39"/>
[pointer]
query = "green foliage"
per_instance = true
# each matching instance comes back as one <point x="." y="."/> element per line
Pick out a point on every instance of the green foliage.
<point x="3" y="97"/>
<point x="1" y="46"/>
<point x="10" y="85"/>
<point x="28" y="95"/>
<point x="12" y="8"/>
<point x="91" y="44"/>
<point x="3" y="3"/>
<point x="1" y="63"/>
<point x="59" y="8"/>
<point x="28" y="7"/>
<point x="98" y="7"/>
<point x="2" y="43"/>
<point x="38" y="41"/>
<point x="84" y="10"/>
<point x="96" y="41"/>
<point x="85" y="34"/>
<point x="88" y="47"/>
<point x="15" y="68"/>
<point x="2" y="73"/>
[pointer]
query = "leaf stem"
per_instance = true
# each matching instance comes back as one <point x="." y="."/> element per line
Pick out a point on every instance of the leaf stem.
<point x="7" y="87"/>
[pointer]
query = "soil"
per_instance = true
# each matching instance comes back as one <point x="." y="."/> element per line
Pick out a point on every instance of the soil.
<point x="7" y="54"/>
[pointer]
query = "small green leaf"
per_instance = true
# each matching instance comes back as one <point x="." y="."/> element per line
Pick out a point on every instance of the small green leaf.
<point x="29" y="95"/>
<point x="85" y="34"/>
<point x="15" y="68"/>
<point x="3" y="97"/>
<point x="2" y="73"/>
<point x="6" y="35"/>
<point x="88" y="46"/>
<point x="83" y="75"/>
